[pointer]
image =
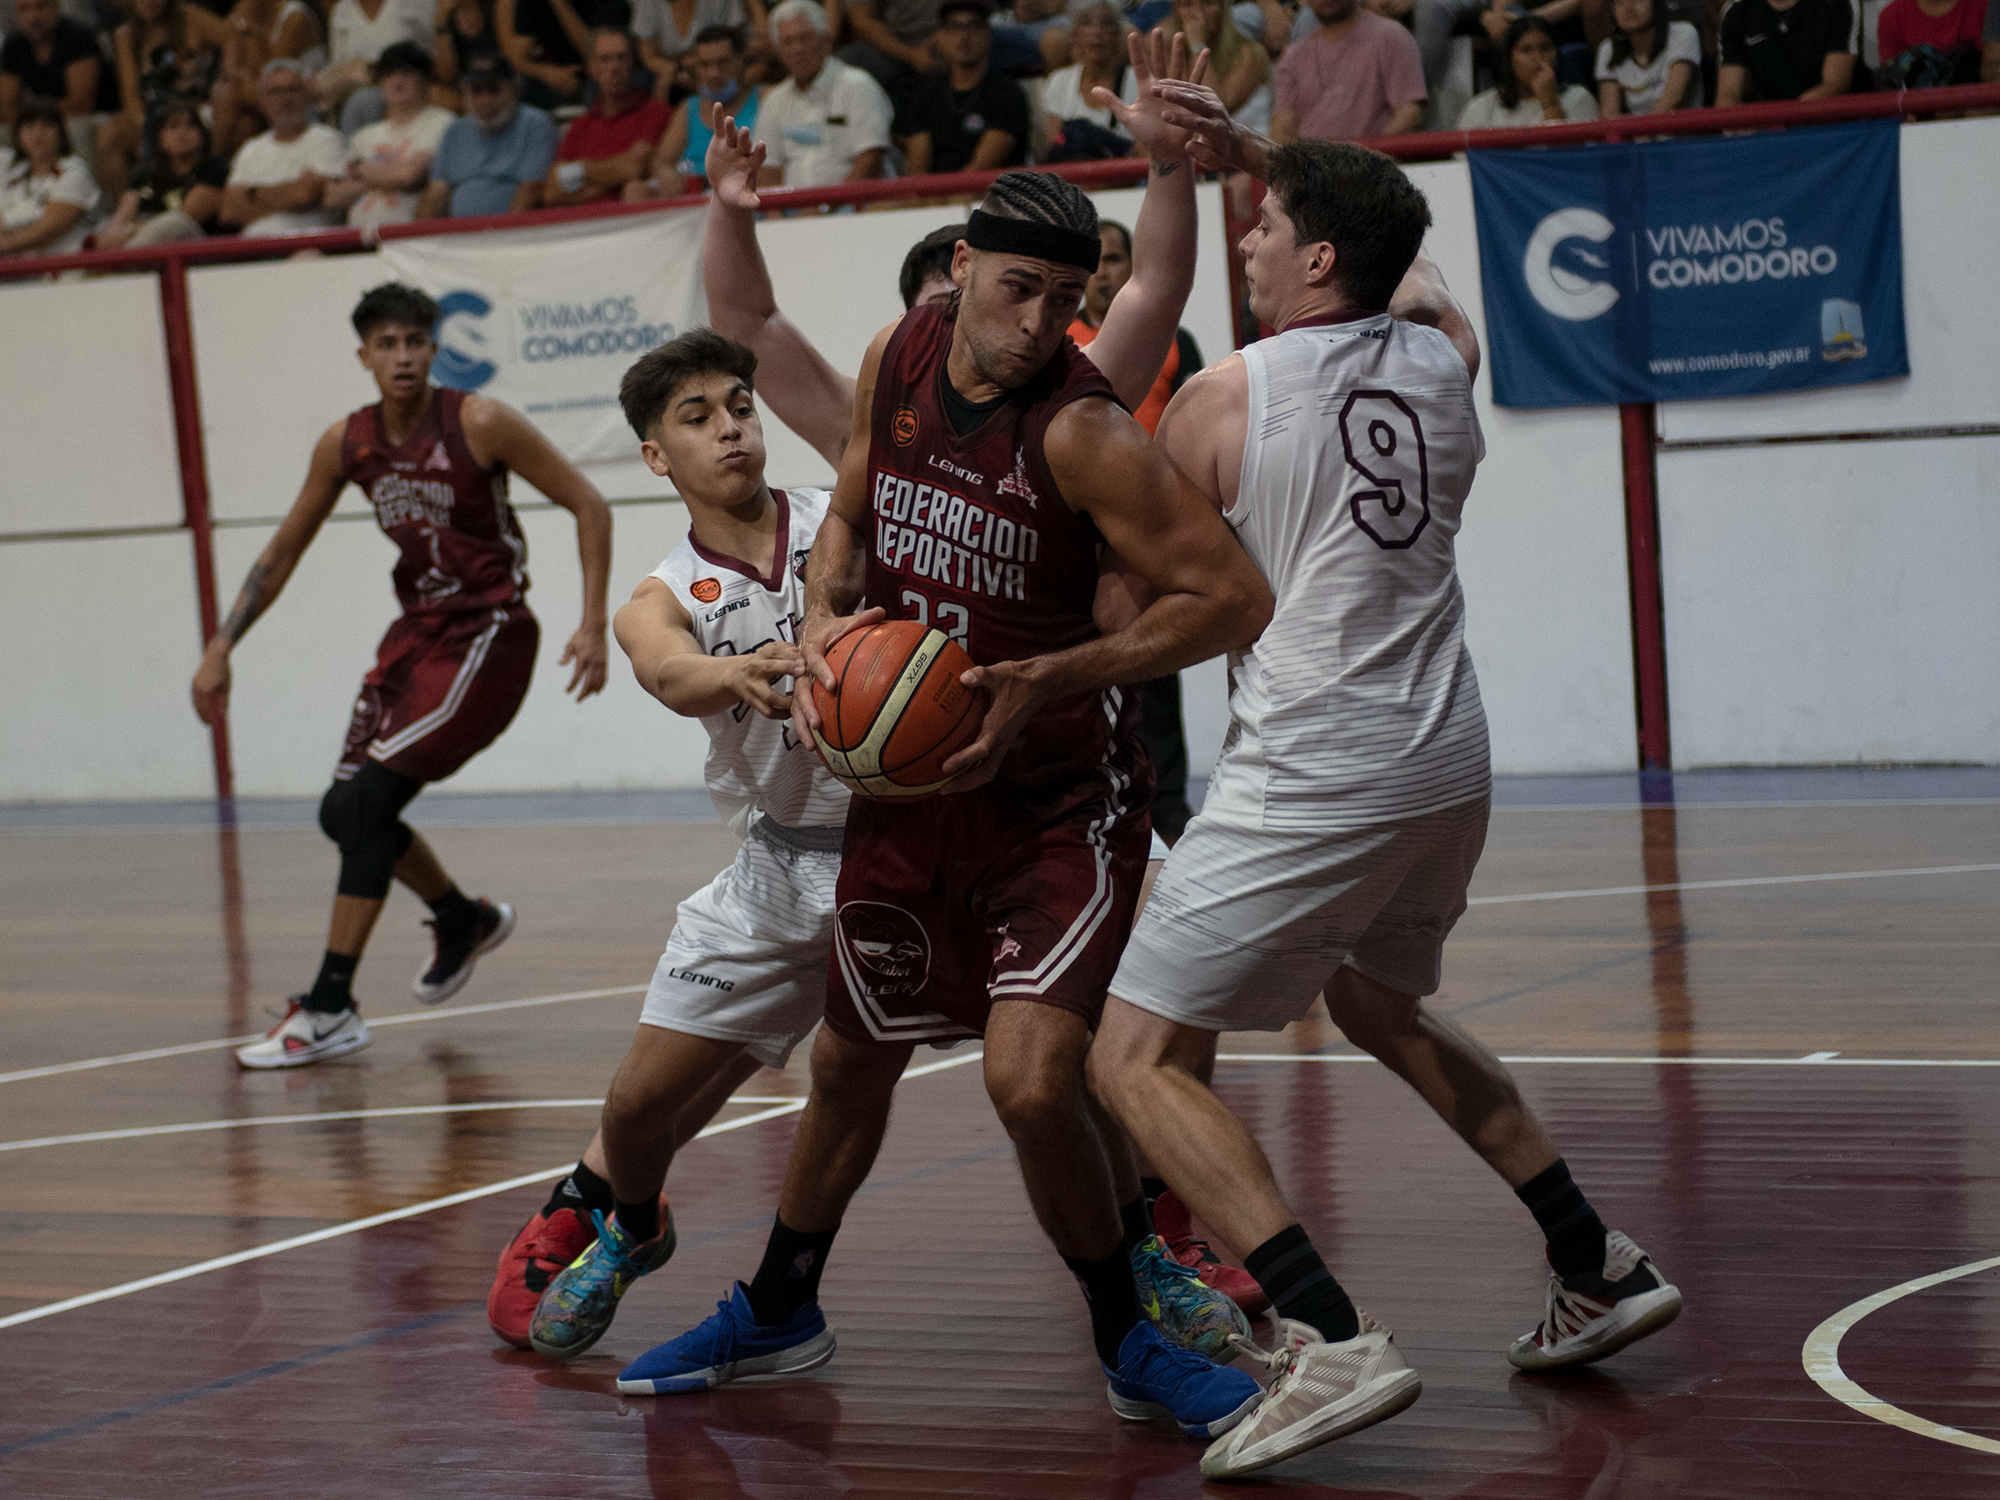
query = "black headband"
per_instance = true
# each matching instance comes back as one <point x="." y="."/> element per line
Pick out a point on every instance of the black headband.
<point x="1065" y="247"/>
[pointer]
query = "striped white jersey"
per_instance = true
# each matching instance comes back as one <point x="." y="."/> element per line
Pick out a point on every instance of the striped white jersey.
<point x="1358" y="704"/>
<point x="755" y="763"/>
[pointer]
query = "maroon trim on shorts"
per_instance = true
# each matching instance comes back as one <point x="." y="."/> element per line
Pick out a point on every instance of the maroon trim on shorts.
<point x="772" y="581"/>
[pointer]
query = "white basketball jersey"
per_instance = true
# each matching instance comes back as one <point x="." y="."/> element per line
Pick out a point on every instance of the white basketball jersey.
<point x="1358" y="704"/>
<point x="755" y="762"/>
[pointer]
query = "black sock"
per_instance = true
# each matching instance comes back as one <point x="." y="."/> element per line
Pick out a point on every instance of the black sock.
<point x="1138" y="1220"/>
<point x="1113" y="1298"/>
<point x="640" y="1220"/>
<point x="582" y="1191"/>
<point x="789" y="1277"/>
<point x="455" y="911"/>
<point x="1300" y="1286"/>
<point x="1575" y="1233"/>
<point x="1151" y="1188"/>
<point x="333" y="990"/>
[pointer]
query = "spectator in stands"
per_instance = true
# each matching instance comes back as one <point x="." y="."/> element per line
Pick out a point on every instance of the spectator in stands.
<point x="892" y="43"/>
<point x="493" y="160"/>
<point x="669" y="30"/>
<point x="679" y="159"/>
<point x="177" y="192"/>
<point x="277" y="183"/>
<point x="389" y="162"/>
<point x="827" y="122"/>
<point x="1038" y="26"/>
<point x="1650" y="64"/>
<point x="1079" y="127"/>
<point x="1238" y="69"/>
<point x="1357" y="75"/>
<point x="264" y="29"/>
<point x="465" y="33"/>
<point x="168" y="50"/>
<point x="548" y="40"/>
<point x="1950" y="29"/>
<point x="1787" y="49"/>
<point x="1526" y="87"/>
<point x="46" y="192"/>
<point x="51" y="56"/>
<point x="611" y="143"/>
<point x="359" y="32"/>
<point x="926" y="274"/>
<point x="971" y="118"/>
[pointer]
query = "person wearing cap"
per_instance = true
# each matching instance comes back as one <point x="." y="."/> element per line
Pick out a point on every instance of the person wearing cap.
<point x="969" y="118"/>
<point x="389" y="162"/>
<point x="611" y="143"/>
<point x="492" y="160"/>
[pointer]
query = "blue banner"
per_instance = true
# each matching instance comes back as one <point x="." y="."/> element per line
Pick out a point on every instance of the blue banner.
<point x="1694" y="269"/>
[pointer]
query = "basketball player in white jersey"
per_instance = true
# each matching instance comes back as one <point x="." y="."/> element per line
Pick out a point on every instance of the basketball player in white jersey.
<point x="1349" y="807"/>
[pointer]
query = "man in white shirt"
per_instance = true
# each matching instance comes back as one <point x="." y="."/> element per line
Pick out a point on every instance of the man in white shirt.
<point x="277" y="184"/>
<point x="827" y="122"/>
<point x="357" y="33"/>
<point x="389" y="162"/>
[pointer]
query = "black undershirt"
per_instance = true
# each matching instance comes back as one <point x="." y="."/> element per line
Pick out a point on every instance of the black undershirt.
<point x="965" y="416"/>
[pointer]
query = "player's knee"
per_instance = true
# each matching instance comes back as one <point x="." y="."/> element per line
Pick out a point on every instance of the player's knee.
<point x="846" y="1073"/>
<point x="1364" y="1010"/>
<point x="1033" y="1102"/>
<point x="336" y="812"/>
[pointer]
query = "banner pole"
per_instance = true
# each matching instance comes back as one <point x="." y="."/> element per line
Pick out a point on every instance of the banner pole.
<point x="1642" y="556"/>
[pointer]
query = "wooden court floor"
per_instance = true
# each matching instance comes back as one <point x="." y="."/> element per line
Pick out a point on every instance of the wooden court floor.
<point x="1765" y="1033"/>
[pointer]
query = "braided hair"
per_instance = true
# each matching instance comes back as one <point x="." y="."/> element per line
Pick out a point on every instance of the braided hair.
<point x="1041" y="198"/>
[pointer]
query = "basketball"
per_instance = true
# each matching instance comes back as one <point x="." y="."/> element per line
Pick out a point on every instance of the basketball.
<point x="898" y="711"/>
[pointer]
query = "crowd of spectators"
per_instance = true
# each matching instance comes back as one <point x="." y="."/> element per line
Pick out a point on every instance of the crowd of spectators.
<point x="133" y="122"/>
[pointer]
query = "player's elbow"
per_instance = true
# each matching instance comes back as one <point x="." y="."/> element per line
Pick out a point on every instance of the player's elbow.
<point x="1247" y="605"/>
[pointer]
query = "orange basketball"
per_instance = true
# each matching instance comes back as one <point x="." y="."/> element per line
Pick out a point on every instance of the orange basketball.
<point x="898" y="711"/>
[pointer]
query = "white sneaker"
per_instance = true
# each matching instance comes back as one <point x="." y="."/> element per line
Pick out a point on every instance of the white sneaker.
<point x="306" y="1036"/>
<point x="1590" y="1316"/>
<point x="1323" y="1391"/>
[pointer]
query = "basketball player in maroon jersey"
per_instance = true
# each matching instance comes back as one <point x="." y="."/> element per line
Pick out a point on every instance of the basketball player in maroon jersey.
<point x="988" y="463"/>
<point x="452" y="669"/>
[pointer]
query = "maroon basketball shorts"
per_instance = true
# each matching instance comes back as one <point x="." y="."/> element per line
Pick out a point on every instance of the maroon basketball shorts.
<point x="441" y="690"/>
<point x="1005" y="893"/>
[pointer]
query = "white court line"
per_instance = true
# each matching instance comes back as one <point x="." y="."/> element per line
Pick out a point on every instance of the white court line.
<point x="410" y="1211"/>
<point x="1811" y="1059"/>
<point x="1723" y="885"/>
<point x="1822" y="1361"/>
<point x="399" y="1019"/>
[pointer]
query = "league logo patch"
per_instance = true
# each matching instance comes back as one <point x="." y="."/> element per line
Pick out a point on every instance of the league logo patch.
<point x="903" y="426"/>
<point x="439" y="459"/>
<point x="885" y="952"/>
<point x="706" y="590"/>
<point x="799" y="561"/>
<point x="1016" y="483"/>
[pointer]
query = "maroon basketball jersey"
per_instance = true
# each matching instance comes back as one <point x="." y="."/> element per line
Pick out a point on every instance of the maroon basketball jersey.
<point x="462" y="547"/>
<point x="971" y="534"/>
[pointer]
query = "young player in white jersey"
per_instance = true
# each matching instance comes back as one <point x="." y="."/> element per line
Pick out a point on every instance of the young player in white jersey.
<point x="711" y="634"/>
<point x="1347" y="812"/>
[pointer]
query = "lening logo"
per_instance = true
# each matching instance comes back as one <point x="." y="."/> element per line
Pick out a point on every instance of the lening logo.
<point x="461" y="361"/>
<point x="1558" y="289"/>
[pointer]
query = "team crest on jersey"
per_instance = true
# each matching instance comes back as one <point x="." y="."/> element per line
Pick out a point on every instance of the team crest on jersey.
<point x="706" y="590"/>
<point x="439" y="459"/>
<point x="799" y="561"/>
<point x="1016" y="483"/>
<point x="903" y="426"/>
<point x="885" y="952"/>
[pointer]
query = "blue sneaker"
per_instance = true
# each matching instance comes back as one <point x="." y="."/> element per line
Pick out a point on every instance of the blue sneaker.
<point x="1185" y="1308"/>
<point x="730" y="1345"/>
<point x="580" y="1302"/>
<point x="1157" y="1378"/>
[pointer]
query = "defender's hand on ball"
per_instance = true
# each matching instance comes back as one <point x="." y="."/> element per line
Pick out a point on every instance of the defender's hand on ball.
<point x="757" y="675"/>
<point x="819" y="632"/>
<point x="1014" y="697"/>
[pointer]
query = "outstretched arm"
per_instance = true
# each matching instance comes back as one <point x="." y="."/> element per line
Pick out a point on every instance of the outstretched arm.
<point x="803" y="391"/>
<point x="268" y="574"/>
<point x="496" y="433"/>
<point x="658" y="636"/>
<point x="1422" y="297"/>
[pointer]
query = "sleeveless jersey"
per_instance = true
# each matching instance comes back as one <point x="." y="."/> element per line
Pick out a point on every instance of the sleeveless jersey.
<point x="971" y="535"/>
<point x="1358" y="703"/>
<point x="462" y="547"/>
<point x="755" y="762"/>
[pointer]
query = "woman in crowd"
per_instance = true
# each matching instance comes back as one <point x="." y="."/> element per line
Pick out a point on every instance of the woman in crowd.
<point x="719" y="64"/>
<point x="1097" y="41"/>
<point x="1238" y="69"/>
<point x="46" y="197"/>
<point x="169" y="49"/>
<point x="465" y="33"/>
<point x="1650" y="64"/>
<point x="1526" y="90"/>
<point x="667" y="29"/>
<point x="178" y="189"/>
<point x="264" y="29"/>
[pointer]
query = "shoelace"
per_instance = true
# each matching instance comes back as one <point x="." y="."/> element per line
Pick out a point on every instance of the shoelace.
<point x="1277" y="1360"/>
<point x="722" y="1349"/>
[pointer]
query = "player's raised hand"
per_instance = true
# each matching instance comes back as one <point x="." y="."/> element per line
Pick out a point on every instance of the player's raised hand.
<point x="756" y="677"/>
<point x="211" y="687"/>
<point x="1013" y="697"/>
<point x="1154" y="56"/>
<point x="1215" y="141"/>
<point x="592" y="655"/>
<point x="816" y="637"/>
<point x="733" y="159"/>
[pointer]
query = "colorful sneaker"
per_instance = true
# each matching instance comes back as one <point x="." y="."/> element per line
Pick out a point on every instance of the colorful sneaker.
<point x="1157" y="1378"/>
<point x="730" y="1345"/>
<point x="306" y="1036"/>
<point x="1187" y="1310"/>
<point x="1323" y="1391"/>
<point x="1176" y="1227"/>
<point x="1591" y="1316"/>
<point x="581" y="1301"/>
<point x="539" y="1252"/>
<point x="452" y="958"/>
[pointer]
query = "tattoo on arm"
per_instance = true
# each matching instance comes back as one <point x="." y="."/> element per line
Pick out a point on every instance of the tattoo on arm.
<point x="249" y="603"/>
<point x="1165" y="168"/>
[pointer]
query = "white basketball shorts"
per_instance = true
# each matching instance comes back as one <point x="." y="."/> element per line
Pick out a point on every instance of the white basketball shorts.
<point x="1246" y="924"/>
<point x="746" y="961"/>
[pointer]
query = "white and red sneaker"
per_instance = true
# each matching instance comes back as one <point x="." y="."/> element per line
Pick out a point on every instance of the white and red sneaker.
<point x="1173" y="1223"/>
<point x="306" y="1036"/>
<point x="1590" y="1316"/>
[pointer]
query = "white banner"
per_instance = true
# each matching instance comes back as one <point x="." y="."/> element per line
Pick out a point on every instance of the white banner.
<point x="549" y="320"/>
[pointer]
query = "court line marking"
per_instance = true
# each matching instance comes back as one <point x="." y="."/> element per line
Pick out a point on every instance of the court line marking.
<point x="408" y="1211"/>
<point x="1723" y="885"/>
<point x="1822" y="1361"/>
<point x="1811" y="1059"/>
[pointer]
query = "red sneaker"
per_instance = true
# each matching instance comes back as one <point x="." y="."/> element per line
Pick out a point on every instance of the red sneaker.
<point x="1172" y="1222"/>
<point x="542" y="1248"/>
